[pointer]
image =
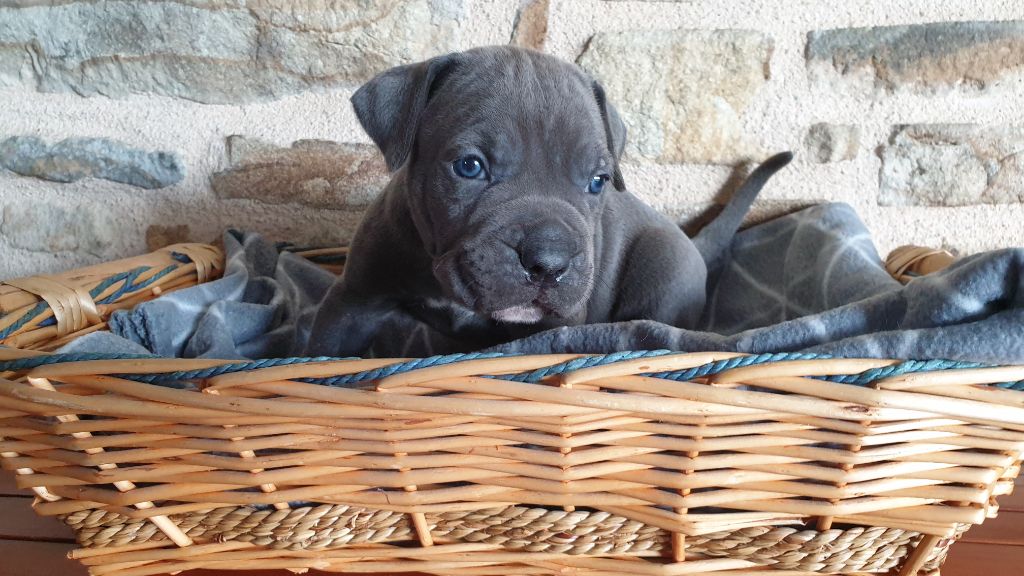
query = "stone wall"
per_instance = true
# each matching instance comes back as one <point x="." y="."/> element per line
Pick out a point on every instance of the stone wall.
<point x="127" y="125"/>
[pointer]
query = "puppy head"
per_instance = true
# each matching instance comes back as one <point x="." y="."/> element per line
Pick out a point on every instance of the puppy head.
<point x="508" y="155"/>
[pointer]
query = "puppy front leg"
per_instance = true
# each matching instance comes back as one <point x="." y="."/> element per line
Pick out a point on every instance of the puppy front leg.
<point x="346" y="325"/>
<point x="664" y="279"/>
<point x="404" y="335"/>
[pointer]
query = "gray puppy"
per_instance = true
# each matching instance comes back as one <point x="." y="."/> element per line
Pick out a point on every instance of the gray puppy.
<point x="507" y="214"/>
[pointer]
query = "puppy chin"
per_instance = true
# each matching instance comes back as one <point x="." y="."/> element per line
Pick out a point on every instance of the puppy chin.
<point x="522" y="314"/>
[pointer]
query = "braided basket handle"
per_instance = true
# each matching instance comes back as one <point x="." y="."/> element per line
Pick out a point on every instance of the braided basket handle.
<point x="73" y="308"/>
<point x="209" y="260"/>
<point x="908" y="262"/>
<point x="46" y="311"/>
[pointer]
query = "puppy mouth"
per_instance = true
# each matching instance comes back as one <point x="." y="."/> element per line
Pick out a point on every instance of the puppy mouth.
<point x="490" y="283"/>
<point x="521" y="314"/>
<point x="532" y="303"/>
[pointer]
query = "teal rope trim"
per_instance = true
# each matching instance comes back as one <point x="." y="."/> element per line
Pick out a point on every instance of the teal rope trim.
<point x="737" y="362"/>
<point x="908" y="367"/>
<point x="130" y="285"/>
<point x="351" y="380"/>
<point x="345" y="380"/>
<point x="22" y="364"/>
<point x="348" y="380"/>
<point x="182" y="375"/>
<point x="584" y="362"/>
<point x="36" y="310"/>
<point x="528" y="377"/>
<point x="129" y="279"/>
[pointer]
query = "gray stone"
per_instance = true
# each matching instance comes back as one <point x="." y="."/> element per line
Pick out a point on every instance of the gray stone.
<point x="312" y="172"/>
<point x="925" y="58"/>
<point x="682" y="93"/>
<point x="832" y="142"/>
<point x="159" y="236"/>
<point x="16" y="69"/>
<point x="44" y="227"/>
<point x="953" y="165"/>
<point x="218" y="51"/>
<point x="531" y="26"/>
<point x="76" y="158"/>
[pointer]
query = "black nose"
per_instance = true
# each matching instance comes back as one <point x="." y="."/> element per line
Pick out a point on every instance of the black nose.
<point x="547" y="251"/>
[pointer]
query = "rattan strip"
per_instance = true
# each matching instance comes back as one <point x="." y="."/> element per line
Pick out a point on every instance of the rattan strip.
<point x="537" y="530"/>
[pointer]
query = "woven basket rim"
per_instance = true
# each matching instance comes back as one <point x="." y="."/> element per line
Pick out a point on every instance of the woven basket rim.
<point x="13" y="360"/>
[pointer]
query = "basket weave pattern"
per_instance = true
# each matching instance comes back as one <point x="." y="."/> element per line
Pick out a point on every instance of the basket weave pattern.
<point x="646" y="463"/>
<point x="327" y="527"/>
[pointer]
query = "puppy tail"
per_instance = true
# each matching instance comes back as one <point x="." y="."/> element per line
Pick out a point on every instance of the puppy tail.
<point x="713" y="240"/>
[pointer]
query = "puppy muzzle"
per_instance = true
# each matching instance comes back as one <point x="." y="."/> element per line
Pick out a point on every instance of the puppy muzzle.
<point x="520" y="271"/>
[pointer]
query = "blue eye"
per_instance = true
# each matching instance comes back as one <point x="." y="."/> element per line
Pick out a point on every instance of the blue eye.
<point x="597" y="183"/>
<point x="469" y="167"/>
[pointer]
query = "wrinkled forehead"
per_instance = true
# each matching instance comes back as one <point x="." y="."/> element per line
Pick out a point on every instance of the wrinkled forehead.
<point x="487" y="99"/>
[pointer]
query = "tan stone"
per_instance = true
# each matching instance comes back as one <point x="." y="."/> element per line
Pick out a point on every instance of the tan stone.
<point x="158" y="236"/>
<point x="682" y="93"/>
<point x="531" y="26"/>
<point x="953" y="165"/>
<point x="315" y="173"/>
<point x="832" y="142"/>
<point x="41" y="226"/>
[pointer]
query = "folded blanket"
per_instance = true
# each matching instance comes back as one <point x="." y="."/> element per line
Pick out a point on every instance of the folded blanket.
<point x="811" y="281"/>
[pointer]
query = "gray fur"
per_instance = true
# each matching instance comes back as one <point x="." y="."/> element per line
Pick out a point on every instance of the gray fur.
<point x="452" y="252"/>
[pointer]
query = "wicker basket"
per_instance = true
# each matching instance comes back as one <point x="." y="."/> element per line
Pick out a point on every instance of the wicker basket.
<point x="644" y="463"/>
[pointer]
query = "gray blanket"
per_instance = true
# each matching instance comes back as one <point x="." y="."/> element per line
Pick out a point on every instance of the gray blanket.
<point x="811" y="281"/>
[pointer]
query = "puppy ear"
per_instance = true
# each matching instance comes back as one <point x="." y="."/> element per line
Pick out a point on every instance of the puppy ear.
<point x="390" y="105"/>
<point x="615" y="131"/>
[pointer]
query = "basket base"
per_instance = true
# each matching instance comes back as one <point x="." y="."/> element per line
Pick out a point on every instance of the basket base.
<point x="501" y="541"/>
